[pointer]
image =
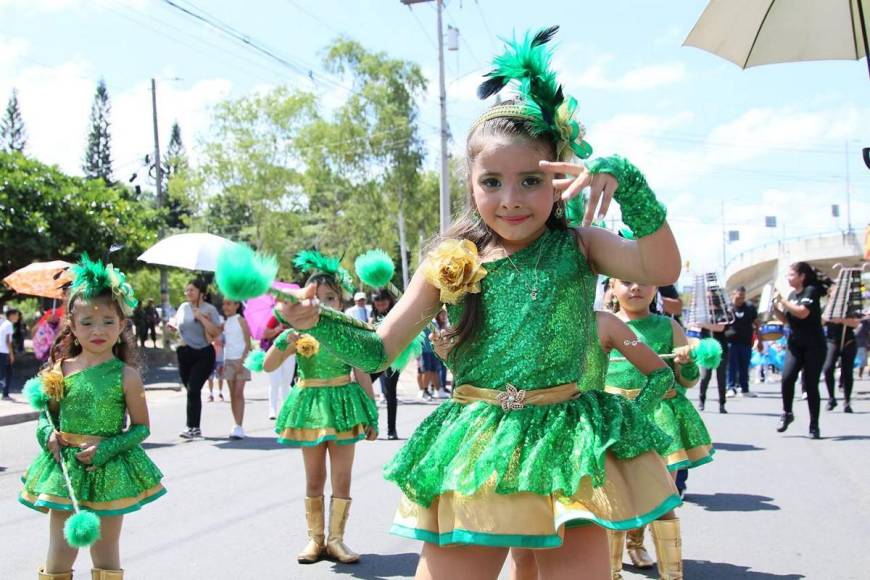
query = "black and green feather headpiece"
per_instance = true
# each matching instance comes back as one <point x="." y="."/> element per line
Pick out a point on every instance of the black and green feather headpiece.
<point x="92" y="278"/>
<point x="540" y="99"/>
<point x="312" y="262"/>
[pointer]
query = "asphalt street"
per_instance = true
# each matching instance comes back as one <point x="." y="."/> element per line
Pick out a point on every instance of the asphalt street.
<point x="770" y="507"/>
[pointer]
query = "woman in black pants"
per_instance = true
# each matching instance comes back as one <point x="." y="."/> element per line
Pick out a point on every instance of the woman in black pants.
<point x="198" y="323"/>
<point x="382" y="304"/>
<point x="806" y="341"/>
<point x="841" y="346"/>
<point x="717" y="331"/>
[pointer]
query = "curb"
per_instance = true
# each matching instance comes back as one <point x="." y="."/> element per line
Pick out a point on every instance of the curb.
<point x="16" y="418"/>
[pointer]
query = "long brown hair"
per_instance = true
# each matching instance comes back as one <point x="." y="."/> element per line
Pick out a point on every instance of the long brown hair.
<point x="66" y="346"/>
<point x="469" y="225"/>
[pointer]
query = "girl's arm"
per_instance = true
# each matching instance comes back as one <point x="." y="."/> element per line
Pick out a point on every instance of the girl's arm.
<point x="712" y="327"/>
<point x="653" y="259"/>
<point x="685" y="370"/>
<point x="365" y="381"/>
<point x="246" y="336"/>
<point x="138" y="431"/>
<point x="275" y="357"/>
<point x="369" y="350"/>
<point x="614" y="333"/>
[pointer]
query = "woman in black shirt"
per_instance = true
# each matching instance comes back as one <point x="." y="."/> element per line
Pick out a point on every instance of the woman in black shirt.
<point x="806" y="341"/>
<point x="840" y="333"/>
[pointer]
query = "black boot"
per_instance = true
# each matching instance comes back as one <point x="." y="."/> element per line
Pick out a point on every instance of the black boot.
<point x="701" y="405"/>
<point x="814" y="432"/>
<point x="832" y="403"/>
<point x="848" y="407"/>
<point x="722" y="409"/>
<point x="784" y="421"/>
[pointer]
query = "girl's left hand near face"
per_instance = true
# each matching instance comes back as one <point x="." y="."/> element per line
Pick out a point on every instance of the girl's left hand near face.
<point x="86" y="455"/>
<point x="601" y="187"/>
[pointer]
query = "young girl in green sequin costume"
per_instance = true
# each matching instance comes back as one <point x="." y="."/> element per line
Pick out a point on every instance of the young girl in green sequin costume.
<point x="92" y="383"/>
<point x="690" y="446"/>
<point x="325" y="414"/>
<point x="529" y="450"/>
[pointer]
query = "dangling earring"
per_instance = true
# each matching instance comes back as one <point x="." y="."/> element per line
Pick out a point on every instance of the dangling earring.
<point x="75" y="341"/>
<point x="560" y="211"/>
<point x="120" y="340"/>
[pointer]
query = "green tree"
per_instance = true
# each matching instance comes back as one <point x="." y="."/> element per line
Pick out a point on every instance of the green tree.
<point x="47" y="215"/>
<point x="98" y="154"/>
<point x="12" y="132"/>
<point x="180" y="205"/>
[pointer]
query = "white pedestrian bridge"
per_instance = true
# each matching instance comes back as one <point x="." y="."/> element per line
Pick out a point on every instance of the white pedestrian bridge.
<point x="762" y="265"/>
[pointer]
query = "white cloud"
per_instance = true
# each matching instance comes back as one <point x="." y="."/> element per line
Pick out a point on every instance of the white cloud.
<point x="643" y="78"/>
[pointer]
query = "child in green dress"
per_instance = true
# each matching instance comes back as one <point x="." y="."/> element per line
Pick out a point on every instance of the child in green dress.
<point x="90" y="384"/>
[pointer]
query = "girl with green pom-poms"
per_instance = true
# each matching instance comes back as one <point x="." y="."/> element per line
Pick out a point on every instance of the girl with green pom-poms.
<point x="690" y="445"/>
<point x="529" y="452"/>
<point x="330" y="409"/>
<point x="89" y="463"/>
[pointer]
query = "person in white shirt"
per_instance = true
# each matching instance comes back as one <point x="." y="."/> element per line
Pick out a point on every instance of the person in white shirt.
<point x="360" y="310"/>
<point x="7" y="350"/>
<point x="237" y="344"/>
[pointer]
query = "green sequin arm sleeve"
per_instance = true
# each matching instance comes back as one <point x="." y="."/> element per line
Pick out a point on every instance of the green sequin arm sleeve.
<point x="657" y="384"/>
<point x="361" y="348"/>
<point x="43" y="430"/>
<point x="641" y="211"/>
<point x="690" y="371"/>
<point x="109" y="448"/>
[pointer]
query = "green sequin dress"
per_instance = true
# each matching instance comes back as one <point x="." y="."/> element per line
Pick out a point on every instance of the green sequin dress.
<point x="312" y="415"/>
<point x="93" y="405"/>
<point x="476" y="474"/>
<point x="691" y="445"/>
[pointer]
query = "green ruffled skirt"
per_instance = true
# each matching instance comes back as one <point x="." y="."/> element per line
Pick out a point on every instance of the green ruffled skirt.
<point x="691" y="445"/>
<point x="124" y="484"/>
<point x="475" y="474"/>
<point x="313" y="415"/>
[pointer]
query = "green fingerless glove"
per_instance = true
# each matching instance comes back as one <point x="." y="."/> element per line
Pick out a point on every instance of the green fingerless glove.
<point x="690" y="371"/>
<point x="641" y="211"/>
<point x="109" y="448"/>
<point x="43" y="430"/>
<point x="657" y="384"/>
<point x="361" y="348"/>
<point x="283" y="340"/>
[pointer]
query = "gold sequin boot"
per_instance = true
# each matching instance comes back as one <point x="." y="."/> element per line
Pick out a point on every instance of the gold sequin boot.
<point x="335" y="546"/>
<point x="617" y="545"/>
<point x="638" y="555"/>
<point x="314" y="516"/>
<point x="99" y="574"/>
<point x="43" y="575"/>
<point x="669" y="548"/>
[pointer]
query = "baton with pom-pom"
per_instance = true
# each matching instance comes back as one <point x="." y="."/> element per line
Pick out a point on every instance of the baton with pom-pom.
<point x="243" y="274"/>
<point x="376" y="269"/>
<point x="83" y="528"/>
<point x="707" y="354"/>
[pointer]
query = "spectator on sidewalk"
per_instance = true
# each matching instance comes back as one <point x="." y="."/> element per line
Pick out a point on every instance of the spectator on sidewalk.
<point x="739" y="335"/>
<point x="152" y="319"/>
<point x="383" y="303"/>
<point x="7" y="350"/>
<point x="360" y="310"/>
<point x="281" y="377"/>
<point x="862" y="340"/>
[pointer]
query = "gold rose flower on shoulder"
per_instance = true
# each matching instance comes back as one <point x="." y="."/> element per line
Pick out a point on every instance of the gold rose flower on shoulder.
<point x="307" y="346"/>
<point x="52" y="383"/>
<point x="455" y="269"/>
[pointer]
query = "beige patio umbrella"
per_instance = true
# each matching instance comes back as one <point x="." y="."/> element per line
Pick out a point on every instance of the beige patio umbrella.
<point x="755" y="32"/>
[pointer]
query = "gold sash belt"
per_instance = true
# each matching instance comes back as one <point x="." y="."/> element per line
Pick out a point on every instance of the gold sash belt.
<point x="633" y="393"/>
<point x="75" y="439"/>
<point x="512" y="398"/>
<point x="332" y="382"/>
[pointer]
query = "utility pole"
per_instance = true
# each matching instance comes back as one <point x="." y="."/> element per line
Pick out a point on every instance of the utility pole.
<point x="402" y="243"/>
<point x="444" y="181"/>
<point x="158" y="172"/>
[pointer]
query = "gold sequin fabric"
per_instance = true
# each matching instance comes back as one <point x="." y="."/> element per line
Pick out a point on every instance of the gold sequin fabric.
<point x="530" y="344"/>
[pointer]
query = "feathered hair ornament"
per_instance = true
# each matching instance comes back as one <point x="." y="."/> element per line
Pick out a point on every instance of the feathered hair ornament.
<point x="540" y="99"/>
<point x="92" y="278"/>
<point x="312" y="262"/>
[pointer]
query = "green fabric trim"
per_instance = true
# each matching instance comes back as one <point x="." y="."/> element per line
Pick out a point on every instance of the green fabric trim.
<point x="40" y="505"/>
<point x="316" y="442"/>
<point x="670" y="503"/>
<point x="460" y="536"/>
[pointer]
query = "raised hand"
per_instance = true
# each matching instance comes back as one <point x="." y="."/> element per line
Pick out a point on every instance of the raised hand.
<point x="601" y="187"/>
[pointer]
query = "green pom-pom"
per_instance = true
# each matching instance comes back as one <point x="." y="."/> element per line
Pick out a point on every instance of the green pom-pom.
<point x="82" y="529"/>
<point x="254" y="361"/>
<point x="708" y="353"/>
<point x="243" y="274"/>
<point x="413" y="350"/>
<point x="35" y="395"/>
<point x="283" y="340"/>
<point x="375" y="268"/>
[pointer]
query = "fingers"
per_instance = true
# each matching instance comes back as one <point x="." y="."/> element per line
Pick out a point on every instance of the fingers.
<point x="562" y="167"/>
<point x="582" y="181"/>
<point x="562" y="184"/>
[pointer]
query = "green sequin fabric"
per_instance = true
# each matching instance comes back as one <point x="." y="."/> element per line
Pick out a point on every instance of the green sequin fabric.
<point x="641" y="211"/>
<point x="675" y="416"/>
<point x="93" y="404"/>
<point x="339" y="408"/>
<point x="531" y="344"/>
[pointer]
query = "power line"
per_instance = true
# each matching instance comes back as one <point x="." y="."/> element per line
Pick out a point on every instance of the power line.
<point x="492" y="40"/>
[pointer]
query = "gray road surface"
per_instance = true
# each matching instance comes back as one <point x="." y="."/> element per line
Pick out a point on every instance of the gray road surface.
<point x="770" y="507"/>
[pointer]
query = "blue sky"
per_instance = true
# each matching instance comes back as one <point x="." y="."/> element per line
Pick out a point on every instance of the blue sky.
<point x="772" y="140"/>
